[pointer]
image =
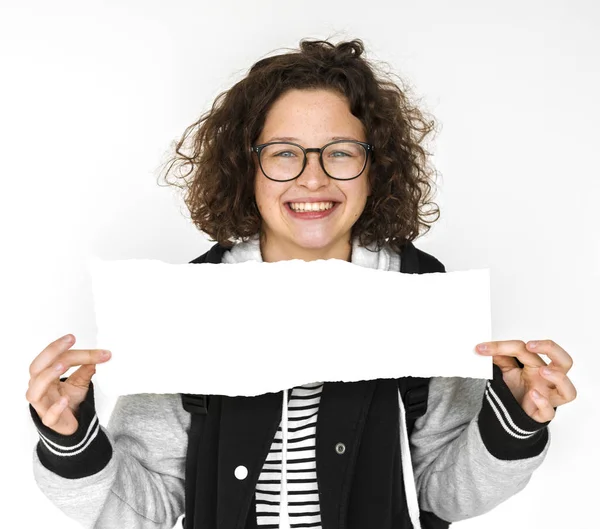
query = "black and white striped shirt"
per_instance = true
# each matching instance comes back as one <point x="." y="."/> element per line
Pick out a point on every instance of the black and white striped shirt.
<point x="302" y="490"/>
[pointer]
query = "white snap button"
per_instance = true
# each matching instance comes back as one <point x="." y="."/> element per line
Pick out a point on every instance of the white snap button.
<point x="340" y="448"/>
<point x="241" y="472"/>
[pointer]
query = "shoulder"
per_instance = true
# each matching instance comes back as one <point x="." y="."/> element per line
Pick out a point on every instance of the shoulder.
<point x="214" y="255"/>
<point x="414" y="260"/>
<point x="430" y="262"/>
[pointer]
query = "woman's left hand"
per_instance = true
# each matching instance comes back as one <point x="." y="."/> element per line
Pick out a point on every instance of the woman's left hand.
<point x="538" y="388"/>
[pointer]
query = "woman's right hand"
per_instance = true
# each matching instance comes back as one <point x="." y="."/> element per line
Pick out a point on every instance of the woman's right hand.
<point x="57" y="402"/>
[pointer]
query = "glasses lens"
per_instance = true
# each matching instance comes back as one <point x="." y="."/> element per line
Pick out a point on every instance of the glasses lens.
<point x="344" y="159"/>
<point x="281" y="161"/>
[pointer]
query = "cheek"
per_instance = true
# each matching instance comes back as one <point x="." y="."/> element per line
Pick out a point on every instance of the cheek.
<point x="259" y="192"/>
<point x="267" y="196"/>
<point x="358" y="196"/>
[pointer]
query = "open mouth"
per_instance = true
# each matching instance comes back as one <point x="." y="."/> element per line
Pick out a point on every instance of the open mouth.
<point x="312" y="207"/>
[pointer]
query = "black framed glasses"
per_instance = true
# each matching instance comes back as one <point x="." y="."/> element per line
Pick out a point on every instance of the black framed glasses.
<point x="341" y="159"/>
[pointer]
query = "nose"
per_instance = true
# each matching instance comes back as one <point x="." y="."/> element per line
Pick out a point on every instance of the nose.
<point x="313" y="175"/>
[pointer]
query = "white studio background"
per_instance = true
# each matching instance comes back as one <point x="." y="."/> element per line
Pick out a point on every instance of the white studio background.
<point x="93" y="94"/>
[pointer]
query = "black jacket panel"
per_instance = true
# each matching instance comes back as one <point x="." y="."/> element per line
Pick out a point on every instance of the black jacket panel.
<point x="359" y="488"/>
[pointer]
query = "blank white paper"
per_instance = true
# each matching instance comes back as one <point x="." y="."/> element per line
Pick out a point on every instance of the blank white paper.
<point x="252" y="328"/>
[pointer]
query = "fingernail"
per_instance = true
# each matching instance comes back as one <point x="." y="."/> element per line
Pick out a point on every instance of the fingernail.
<point x="536" y="395"/>
<point x="67" y="338"/>
<point x="105" y="354"/>
<point x="482" y="347"/>
<point x="58" y="367"/>
<point x="532" y="344"/>
<point x="547" y="371"/>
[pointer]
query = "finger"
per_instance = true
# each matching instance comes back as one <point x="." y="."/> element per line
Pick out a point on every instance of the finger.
<point x="39" y="385"/>
<point x="47" y="356"/>
<point x="564" y="386"/>
<point x="514" y="348"/>
<point x="81" y="357"/>
<point x="56" y="415"/>
<point x="545" y="411"/>
<point x="54" y="412"/>
<point x="559" y="358"/>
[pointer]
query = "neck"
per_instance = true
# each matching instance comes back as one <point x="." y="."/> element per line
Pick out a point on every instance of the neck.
<point x="272" y="253"/>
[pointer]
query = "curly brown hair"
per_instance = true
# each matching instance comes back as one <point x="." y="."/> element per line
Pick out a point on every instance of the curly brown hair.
<point x="217" y="169"/>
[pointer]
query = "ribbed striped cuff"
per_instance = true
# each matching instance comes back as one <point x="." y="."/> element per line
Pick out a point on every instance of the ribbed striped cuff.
<point x="81" y="454"/>
<point x="507" y="431"/>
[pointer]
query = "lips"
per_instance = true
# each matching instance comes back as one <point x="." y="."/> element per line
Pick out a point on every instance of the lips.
<point x="311" y="200"/>
<point x="310" y="214"/>
<point x="311" y="206"/>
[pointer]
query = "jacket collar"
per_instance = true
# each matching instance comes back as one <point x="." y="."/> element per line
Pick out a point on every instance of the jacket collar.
<point x="409" y="263"/>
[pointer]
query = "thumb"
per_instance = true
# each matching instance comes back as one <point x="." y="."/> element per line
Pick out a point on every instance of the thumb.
<point x="505" y="363"/>
<point x="82" y="376"/>
<point x="76" y="387"/>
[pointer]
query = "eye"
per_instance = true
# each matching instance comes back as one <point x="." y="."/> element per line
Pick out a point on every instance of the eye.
<point x="343" y="154"/>
<point x="281" y="153"/>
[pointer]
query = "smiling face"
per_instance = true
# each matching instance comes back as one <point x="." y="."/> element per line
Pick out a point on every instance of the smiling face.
<point x="311" y="118"/>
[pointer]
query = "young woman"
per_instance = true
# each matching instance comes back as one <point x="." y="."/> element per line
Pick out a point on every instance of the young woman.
<point x="312" y="156"/>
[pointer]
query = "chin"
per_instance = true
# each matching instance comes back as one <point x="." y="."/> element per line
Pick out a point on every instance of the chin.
<point x="315" y="243"/>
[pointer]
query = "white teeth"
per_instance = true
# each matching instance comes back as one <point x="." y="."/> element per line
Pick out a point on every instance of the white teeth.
<point x="311" y="206"/>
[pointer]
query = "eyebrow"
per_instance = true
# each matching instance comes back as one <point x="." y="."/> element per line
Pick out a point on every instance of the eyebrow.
<point x="289" y="138"/>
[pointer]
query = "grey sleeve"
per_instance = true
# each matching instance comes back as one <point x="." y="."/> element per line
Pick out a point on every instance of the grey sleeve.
<point x="142" y="483"/>
<point x="474" y="448"/>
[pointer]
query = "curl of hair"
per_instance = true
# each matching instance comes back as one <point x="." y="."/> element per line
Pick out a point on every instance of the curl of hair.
<point x="214" y="165"/>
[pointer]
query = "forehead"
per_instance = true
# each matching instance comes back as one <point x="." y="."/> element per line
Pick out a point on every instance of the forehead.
<point x="311" y="114"/>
